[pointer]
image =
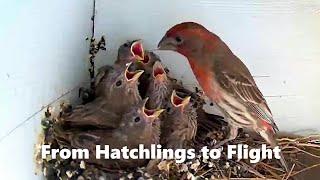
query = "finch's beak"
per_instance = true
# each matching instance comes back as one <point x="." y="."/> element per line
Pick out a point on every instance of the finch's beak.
<point x="133" y="76"/>
<point x="167" y="43"/>
<point x="177" y="101"/>
<point x="158" y="71"/>
<point x="137" y="50"/>
<point x="154" y="113"/>
<point x="146" y="58"/>
<point x="151" y="114"/>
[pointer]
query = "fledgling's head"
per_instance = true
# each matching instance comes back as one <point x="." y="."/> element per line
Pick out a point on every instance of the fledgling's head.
<point x="123" y="83"/>
<point x="159" y="74"/>
<point x="139" y="120"/>
<point x="187" y="38"/>
<point x="149" y="58"/>
<point x="178" y="102"/>
<point x="130" y="51"/>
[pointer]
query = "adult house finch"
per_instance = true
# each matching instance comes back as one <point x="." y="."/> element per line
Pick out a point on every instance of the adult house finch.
<point x="138" y="126"/>
<point x="160" y="87"/>
<point x="180" y="124"/>
<point x="224" y="79"/>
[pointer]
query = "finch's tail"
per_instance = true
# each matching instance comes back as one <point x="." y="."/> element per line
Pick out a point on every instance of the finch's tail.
<point x="284" y="162"/>
<point x="271" y="139"/>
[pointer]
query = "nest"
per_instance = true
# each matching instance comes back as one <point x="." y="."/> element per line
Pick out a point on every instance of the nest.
<point x="302" y="154"/>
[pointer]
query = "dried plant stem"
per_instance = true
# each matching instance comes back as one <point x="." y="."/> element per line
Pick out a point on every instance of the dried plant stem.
<point x="300" y="150"/>
<point x="305" y="169"/>
<point x="250" y="169"/>
<point x="289" y="172"/>
<point x="92" y="47"/>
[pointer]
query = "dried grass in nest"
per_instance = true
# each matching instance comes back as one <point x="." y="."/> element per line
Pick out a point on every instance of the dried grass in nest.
<point x="301" y="152"/>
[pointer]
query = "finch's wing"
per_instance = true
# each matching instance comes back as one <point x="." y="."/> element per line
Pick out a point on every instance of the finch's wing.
<point x="90" y="139"/>
<point x="238" y="82"/>
<point x="101" y="78"/>
<point x="83" y="139"/>
<point x="92" y="114"/>
<point x="102" y="73"/>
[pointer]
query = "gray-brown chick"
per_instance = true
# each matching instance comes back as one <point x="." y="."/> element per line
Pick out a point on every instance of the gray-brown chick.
<point x="148" y="61"/>
<point x="179" y="127"/>
<point x="119" y="89"/>
<point x="129" y="52"/>
<point x="117" y="93"/>
<point x="160" y="87"/>
<point x="138" y="126"/>
<point x="145" y="64"/>
<point x="93" y="114"/>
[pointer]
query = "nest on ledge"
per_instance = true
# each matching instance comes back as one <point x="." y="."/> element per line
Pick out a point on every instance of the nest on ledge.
<point x="301" y="153"/>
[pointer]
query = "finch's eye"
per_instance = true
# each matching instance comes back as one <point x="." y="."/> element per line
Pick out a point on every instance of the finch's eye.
<point x="118" y="83"/>
<point x="126" y="45"/>
<point x="137" y="119"/>
<point x="178" y="39"/>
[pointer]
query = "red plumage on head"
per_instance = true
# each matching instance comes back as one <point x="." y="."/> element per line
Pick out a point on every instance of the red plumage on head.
<point x="192" y="32"/>
<point x="184" y="26"/>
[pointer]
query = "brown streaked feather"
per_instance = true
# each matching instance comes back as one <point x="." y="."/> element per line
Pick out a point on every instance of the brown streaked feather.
<point x="234" y="77"/>
<point x="93" y="114"/>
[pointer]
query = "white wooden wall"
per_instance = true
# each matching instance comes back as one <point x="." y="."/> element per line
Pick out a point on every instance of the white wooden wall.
<point x="44" y="55"/>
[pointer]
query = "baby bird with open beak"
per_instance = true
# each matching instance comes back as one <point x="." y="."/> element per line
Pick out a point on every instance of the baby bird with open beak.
<point x="130" y="51"/>
<point x="138" y="126"/>
<point x="148" y="61"/>
<point x="104" y="111"/>
<point x="179" y="127"/>
<point x="120" y="83"/>
<point x="160" y="87"/>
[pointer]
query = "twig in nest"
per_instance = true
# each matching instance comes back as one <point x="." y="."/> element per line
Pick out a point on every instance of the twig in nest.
<point x="269" y="169"/>
<point x="305" y="169"/>
<point x="289" y="172"/>
<point x="204" y="173"/>
<point x="300" y="150"/>
<point x="94" y="48"/>
<point x="250" y="169"/>
<point x="307" y="138"/>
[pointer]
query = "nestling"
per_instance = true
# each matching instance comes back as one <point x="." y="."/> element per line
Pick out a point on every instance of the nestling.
<point x="138" y="126"/>
<point x="179" y="127"/>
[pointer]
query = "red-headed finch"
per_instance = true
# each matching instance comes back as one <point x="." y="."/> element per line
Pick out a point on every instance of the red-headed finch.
<point x="224" y="79"/>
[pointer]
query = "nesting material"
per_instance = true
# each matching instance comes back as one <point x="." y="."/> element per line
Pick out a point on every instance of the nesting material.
<point x="138" y="89"/>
